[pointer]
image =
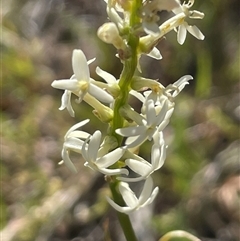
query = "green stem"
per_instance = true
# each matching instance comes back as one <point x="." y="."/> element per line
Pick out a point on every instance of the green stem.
<point x="129" y="69"/>
<point x="123" y="218"/>
<point x="124" y="84"/>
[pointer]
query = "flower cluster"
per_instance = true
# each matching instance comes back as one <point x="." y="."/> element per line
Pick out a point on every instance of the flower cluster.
<point x="116" y="154"/>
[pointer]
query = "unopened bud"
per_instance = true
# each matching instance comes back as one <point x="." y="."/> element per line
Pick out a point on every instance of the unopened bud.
<point x="109" y="33"/>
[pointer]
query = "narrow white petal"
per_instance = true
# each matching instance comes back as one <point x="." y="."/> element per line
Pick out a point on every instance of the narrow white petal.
<point x="183" y="80"/>
<point x="120" y="209"/>
<point x="76" y="126"/>
<point x="194" y="30"/>
<point x="110" y="79"/>
<point x="113" y="172"/>
<point x="91" y="61"/>
<point x="85" y="150"/>
<point x="128" y="195"/>
<point x="130" y="139"/>
<point x="147" y="190"/>
<point x="79" y="134"/>
<point x="158" y="156"/>
<point x="151" y="198"/>
<point x="74" y="144"/>
<point x="197" y="15"/>
<point x="80" y="65"/>
<point x="163" y="156"/>
<point x="155" y="54"/>
<point x="131" y="179"/>
<point x="181" y="34"/>
<point x="110" y="158"/>
<point x="66" y="84"/>
<point x="137" y="95"/>
<point x="139" y="140"/>
<point x="155" y="155"/>
<point x="158" y="139"/>
<point x="67" y="161"/>
<point x="99" y="93"/>
<point x="142" y="168"/>
<point x="94" y="145"/>
<point x="66" y="102"/>
<point x="131" y="131"/>
<point x="162" y="126"/>
<point x="114" y="17"/>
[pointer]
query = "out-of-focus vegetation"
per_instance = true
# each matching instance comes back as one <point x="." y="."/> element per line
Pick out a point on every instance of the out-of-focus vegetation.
<point x="199" y="183"/>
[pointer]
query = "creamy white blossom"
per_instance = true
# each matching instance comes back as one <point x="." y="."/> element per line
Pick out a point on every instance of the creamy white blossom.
<point x="159" y="92"/>
<point x="110" y="155"/>
<point x="80" y="83"/>
<point x="184" y="27"/>
<point x="150" y="125"/>
<point x="144" y="168"/>
<point x="90" y="153"/>
<point x="73" y="142"/>
<point x="133" y="203"/>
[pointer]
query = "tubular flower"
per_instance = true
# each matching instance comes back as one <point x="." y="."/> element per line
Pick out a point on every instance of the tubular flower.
<point x="133" y="203"/>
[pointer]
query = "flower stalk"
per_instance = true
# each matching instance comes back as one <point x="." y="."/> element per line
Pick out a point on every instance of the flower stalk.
<point x="123" y="218"/>
<point x="133" y="30"/>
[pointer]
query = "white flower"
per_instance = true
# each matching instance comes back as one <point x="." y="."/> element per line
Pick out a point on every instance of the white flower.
<point x="66" y="102"/>
<point x="73" y="143"/>
<point x="90" y="153"/>
<point x="144" y="168"/>
<point x="158" y="92"/>
<point x="133" y="203"/>
<point x="80" y="83"/>
<point x="154" y="122"/>
<point x="184" y="27"/>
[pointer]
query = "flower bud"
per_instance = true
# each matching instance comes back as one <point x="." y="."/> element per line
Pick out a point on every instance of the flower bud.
<point x="109" y="33"/>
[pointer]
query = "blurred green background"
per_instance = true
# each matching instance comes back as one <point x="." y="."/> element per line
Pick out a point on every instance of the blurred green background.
<point x="199" y="183"/>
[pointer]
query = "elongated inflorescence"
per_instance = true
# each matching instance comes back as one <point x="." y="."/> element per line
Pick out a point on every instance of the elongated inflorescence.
<point x="134" y="28"/>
